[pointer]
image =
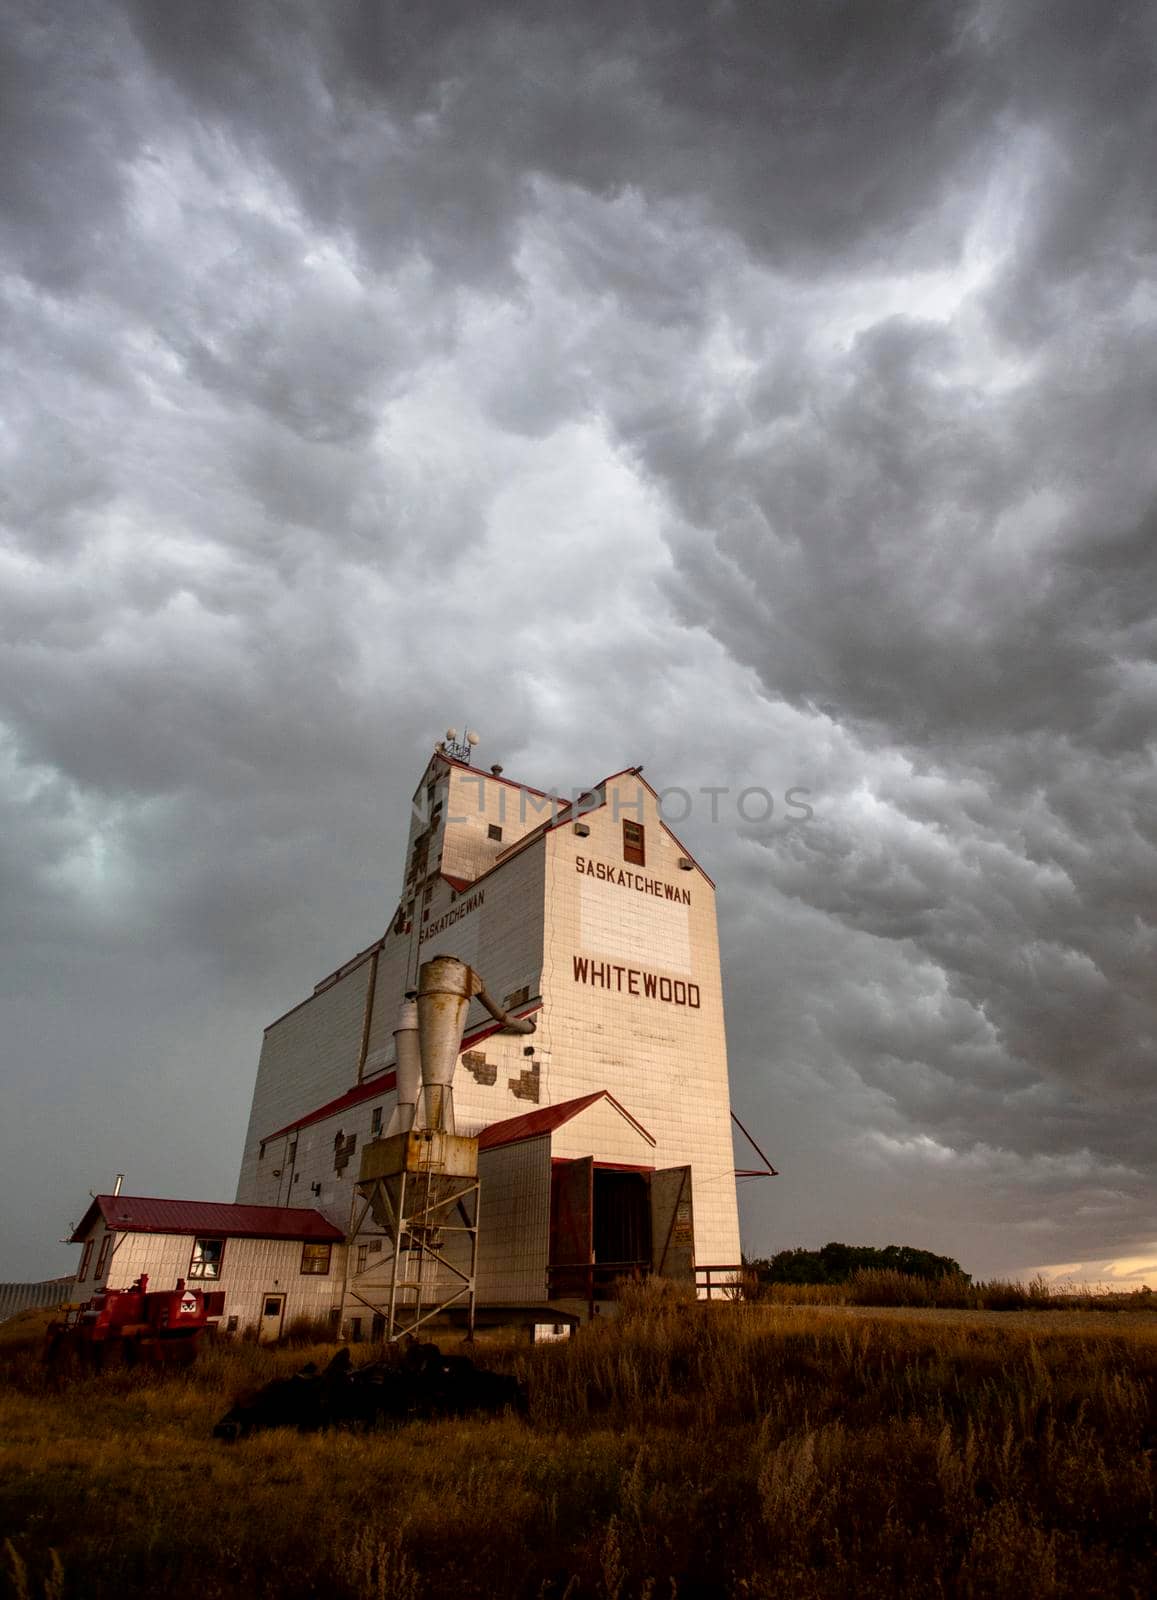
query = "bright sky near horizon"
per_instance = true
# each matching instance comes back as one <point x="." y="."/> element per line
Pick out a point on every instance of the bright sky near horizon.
<point x="765" y="393"/>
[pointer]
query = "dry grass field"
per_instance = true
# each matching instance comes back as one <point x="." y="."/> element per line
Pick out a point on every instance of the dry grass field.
<point x="752" y="1450"/>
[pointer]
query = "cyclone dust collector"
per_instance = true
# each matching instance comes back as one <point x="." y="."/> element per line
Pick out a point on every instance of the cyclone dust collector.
<point x="420" y="1182"/>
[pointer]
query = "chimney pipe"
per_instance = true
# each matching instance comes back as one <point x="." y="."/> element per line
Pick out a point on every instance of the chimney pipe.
<point x="116" y="1188"/>
<point x="409" y="1066"/>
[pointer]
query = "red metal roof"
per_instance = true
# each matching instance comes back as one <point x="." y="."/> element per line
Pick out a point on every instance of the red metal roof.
<point x="568" y="814"/>
<point x="547" y="1119"/>
<point x="477" y="772"/>
<point x="132" y="1213"/>
<point x="384" y="1083"/>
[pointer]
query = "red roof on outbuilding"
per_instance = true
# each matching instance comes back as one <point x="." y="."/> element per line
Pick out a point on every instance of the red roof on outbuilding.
<point x="132" y="1213"/>
<point x="547" y="1119"/>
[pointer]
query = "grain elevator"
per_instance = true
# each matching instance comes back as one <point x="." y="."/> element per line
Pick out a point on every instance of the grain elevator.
<point x="511" y="1101"/>
<point x="595" y="1084"/>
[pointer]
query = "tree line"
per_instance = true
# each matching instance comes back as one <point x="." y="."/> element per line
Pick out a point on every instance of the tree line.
<point x="836" y="1263"/>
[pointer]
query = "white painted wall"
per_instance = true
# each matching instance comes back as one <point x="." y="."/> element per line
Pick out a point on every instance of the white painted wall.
<point x="602" y="1131"/>
<point x="514" y="1232"/>
<point x="308" y="1057"/>
<point x="666" y="1063"/>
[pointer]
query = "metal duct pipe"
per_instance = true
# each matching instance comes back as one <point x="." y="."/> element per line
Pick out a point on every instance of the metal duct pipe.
<point x="509" y="1024"/>
<point x="408" y="1069"/>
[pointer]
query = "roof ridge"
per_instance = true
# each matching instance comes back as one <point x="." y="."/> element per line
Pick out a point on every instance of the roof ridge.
<point x="545" y="1119"/>
<point x="139" y="1213"/>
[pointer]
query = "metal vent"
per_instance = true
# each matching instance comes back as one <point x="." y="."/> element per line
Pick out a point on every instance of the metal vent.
<point x="684" y="864"/>
<point x="582" y="829"/>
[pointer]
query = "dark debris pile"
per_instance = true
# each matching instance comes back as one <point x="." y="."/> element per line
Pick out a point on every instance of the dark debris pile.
<point x="422" y="1384"/>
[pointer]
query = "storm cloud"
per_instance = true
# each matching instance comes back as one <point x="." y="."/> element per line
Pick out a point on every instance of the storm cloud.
<point x="765" y="393"/>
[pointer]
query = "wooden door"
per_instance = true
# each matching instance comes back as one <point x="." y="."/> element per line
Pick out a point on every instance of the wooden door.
<point x="272" y="1315"/>
<point x="672" y="1224"/>
<point x="571" y="1227"/>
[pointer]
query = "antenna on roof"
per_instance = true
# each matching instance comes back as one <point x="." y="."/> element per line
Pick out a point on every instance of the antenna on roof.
<point x="459" y="749"/>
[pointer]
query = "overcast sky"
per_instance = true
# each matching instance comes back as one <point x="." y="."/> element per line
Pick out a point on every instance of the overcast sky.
<point x="765" y="392"/>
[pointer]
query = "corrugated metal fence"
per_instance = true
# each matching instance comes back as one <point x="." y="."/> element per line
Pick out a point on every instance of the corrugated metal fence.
<point x="16" y="1297"/>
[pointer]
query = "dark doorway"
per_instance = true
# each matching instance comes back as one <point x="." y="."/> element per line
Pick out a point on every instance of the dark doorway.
<point x="622" y="1219"/>
<point x="600" y="1227"/>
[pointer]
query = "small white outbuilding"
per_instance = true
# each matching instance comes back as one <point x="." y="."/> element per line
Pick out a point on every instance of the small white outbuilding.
<point x="271" y="1264"/>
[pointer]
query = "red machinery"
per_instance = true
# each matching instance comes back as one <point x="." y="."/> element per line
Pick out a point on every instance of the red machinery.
<point x="135" y="1324"/>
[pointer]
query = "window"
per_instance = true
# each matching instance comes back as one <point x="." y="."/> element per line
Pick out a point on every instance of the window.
<point x="494" y="831"/>
<point x="419" y="856"/>
<point x="315" y="1258"/>
<point x="207" y="1254"/>
<point x="633" y="844"/>
<point x="376" y="1120"/>
<point x="365" y="1251"/>
<point x="85" y="1258"/>
<point x="102" y="1259"/>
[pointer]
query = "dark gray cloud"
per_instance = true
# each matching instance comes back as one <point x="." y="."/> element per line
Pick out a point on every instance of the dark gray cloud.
<point x="763" y="393"/>
<point x="773" y="120"/>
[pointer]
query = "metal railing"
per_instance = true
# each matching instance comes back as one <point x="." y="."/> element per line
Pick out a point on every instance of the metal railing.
<point x="597" y="1280"/>
<point x="710" y="1284"/>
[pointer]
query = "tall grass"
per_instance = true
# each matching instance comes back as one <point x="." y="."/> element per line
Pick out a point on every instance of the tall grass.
<point x="954" y="1291"/>
<point x="681" y="1450"/>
